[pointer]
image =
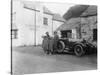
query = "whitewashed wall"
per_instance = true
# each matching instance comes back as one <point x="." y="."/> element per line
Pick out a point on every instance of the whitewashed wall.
<point x="42" y="29"/>
<point x="17" y="7"/>
<point x="25" y="24"/>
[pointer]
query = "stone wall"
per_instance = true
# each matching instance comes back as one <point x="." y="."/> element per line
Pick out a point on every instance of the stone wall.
<point x="87" y="26"/>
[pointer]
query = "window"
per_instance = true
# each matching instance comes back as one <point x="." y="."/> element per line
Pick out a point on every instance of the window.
<point x="45" y="21"/>
<point x="14" y="33"/>
<point x="94" y="34"/>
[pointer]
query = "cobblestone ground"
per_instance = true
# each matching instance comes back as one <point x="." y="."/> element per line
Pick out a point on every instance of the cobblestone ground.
<point x="29" y="60"/>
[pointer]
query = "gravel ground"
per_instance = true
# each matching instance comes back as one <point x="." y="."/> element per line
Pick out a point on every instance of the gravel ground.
<point x="30" y="60"/>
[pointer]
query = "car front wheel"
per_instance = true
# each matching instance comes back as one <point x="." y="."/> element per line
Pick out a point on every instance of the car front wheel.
<point x="61" y="46"/>
<point x="78" y="50"/>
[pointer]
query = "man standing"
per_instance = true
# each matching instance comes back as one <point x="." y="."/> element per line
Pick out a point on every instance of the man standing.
<point x="47" y="34"/>
<point x="45" y="43"/>
<point x="56" y="38"/>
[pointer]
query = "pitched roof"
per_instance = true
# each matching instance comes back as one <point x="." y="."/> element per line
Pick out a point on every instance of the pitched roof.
<point x="80" y="10"/>
<point x="29" y="4"/>
<point x="65" y="26"/>
<point x="58" y="17"/>
<point x="75" y="11"/>
<point x="35" y="5"/>
<point x="70" y="24"/>
<point x="74" y="22"/>
<point x="91" y="10"/>
<point x="47" y="11"/>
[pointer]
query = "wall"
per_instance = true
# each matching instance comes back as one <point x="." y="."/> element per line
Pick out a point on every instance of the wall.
<point x="17" y="7"/>
<point x="88" y="24"/>
<point x="44" y="28"/>
<point x="73" y="24"/>
<point x="25" y="25"/>
<point x="25" y="21"/>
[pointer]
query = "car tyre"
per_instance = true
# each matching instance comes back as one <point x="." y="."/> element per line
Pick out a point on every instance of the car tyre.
<point x="78" y="50"/>
<point x="61" y="46"/>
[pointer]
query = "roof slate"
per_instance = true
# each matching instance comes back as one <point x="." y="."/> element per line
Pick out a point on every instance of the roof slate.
<point x="75" y="11"/>
<point x="71" y="24"/>
<point x="80" y="11"/>
<point x="91" y="10"/>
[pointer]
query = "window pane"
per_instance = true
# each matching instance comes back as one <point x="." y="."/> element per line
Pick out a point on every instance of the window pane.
<point x="45" y="21"/>
<point x="14" y="33"/>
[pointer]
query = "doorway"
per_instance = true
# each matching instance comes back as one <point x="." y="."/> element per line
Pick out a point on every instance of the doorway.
<point x="94" y="34"/>
<point x="66" y="34"/>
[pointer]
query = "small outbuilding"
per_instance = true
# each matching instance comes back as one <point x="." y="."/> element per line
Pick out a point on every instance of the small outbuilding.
<point x="81" y="21"/>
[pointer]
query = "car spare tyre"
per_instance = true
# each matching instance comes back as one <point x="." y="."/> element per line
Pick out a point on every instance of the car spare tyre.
<point x="60" y="46"/>
<point x="78" y="50"/>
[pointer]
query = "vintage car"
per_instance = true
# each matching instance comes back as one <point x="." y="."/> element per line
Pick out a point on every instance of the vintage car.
<point x="77" y="46"/>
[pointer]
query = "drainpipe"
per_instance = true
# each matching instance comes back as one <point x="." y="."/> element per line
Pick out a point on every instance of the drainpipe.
<point x="35" y="28"/>
<point x="80" y="35"/>
<point x="52" y="26"/>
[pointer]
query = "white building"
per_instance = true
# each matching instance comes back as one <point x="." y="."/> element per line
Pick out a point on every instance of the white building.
<point x="30" y="22"/>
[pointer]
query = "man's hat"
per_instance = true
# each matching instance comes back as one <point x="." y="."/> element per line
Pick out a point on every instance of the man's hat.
<point x="55" y="32"/>
<point x="47" y="33"/>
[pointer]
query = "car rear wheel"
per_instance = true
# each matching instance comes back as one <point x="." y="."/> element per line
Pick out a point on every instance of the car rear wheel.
<point x="61" y="46"/>
<point x="78" y="50"/>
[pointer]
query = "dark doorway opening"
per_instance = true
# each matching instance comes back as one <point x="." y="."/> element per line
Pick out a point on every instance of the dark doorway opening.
<point x="66" y="34"/>
<point x="94" y="34"/>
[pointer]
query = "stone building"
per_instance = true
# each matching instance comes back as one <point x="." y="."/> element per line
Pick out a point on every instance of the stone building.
<point x="82" y="23"/>
<point x="89" y="24"/>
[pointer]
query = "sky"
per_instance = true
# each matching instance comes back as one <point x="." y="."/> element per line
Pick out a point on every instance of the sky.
<point x="60" y="8"/>
<point x="55" y="7"/>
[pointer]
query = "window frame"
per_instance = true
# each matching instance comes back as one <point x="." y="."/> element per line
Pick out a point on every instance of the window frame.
<point x="14" y="33"/>
<point x="45" y="21"/>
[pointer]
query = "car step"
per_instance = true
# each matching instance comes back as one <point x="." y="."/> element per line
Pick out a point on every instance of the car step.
<point x="67" y="48"/>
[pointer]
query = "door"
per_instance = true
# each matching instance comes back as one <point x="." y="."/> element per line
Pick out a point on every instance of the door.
<point x="94" y="34"/>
